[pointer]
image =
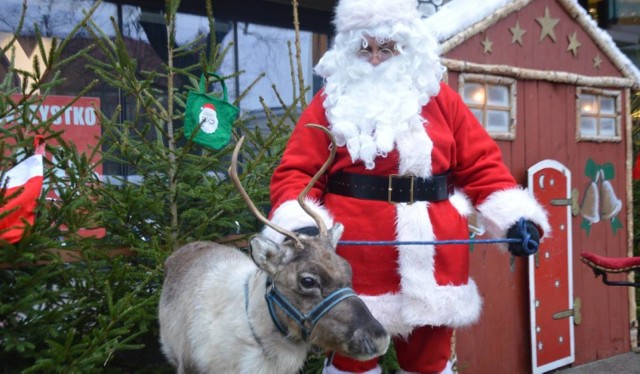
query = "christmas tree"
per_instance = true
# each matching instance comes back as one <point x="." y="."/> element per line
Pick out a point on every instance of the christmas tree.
<point x="79" y="290"/>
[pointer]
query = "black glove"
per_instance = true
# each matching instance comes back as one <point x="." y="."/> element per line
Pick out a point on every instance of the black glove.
<point x="308" y="230"/>
<point x="528" y="235"/>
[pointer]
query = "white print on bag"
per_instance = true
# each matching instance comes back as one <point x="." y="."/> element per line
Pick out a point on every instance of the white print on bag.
<point x="208" y="118"/>
<point x="72" y="116"/>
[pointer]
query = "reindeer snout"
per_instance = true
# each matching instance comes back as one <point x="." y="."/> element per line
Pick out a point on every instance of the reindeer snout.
<point x="369" y="339"/>
<point x="369" y="342"/>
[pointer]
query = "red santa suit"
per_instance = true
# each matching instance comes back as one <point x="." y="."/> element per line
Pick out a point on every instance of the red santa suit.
<point x="408" y="286"/>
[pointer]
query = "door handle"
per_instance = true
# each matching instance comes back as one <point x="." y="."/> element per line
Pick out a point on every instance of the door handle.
<point x="572" y="201"/>
<point x="575" y="312"/>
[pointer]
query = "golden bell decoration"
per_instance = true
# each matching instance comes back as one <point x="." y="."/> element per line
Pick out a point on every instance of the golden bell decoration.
<point x="589" y="208"/>
<point x="610" y="205"/>
<point x="600" y="201"/>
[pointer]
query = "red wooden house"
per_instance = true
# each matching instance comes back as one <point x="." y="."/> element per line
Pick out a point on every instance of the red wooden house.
<point x="554" y="91"/>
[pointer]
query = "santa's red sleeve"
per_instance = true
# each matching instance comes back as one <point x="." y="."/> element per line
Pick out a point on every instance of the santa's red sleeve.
<point x="307" y="150"/>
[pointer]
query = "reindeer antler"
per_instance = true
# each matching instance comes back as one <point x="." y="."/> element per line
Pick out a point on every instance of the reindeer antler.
<point x="322" y="228"/>
<point x="233" y="172"/>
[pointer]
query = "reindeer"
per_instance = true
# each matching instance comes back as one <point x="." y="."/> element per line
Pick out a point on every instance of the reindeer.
<point x="223" y="312"/>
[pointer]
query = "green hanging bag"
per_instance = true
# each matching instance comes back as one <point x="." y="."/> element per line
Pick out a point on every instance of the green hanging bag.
<point x="209" y="117"/>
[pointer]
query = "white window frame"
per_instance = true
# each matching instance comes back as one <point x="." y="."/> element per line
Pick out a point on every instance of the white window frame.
<point x="617" y="115"/>
<point x="488" y="80"/>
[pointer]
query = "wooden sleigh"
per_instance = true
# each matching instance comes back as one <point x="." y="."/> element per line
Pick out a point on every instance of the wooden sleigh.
<point x="602" y="266"/>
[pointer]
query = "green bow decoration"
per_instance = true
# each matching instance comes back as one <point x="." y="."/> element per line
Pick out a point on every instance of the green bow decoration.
<point x="592" y="169"/>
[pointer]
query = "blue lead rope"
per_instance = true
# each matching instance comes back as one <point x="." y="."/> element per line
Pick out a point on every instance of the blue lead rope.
<point x="529" y="245"/>
<point x="431" y="242"/>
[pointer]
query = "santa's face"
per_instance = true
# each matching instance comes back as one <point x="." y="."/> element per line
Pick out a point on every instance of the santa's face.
<point x="370" y="102"/>
<point x="376" y="51"/>
<point x="209" y="120"/>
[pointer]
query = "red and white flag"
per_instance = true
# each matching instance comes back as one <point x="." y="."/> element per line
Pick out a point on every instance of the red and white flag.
<point x="25" y="180"/>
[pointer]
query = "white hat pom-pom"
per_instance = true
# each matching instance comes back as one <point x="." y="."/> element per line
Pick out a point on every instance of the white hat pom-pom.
<point x="365" y="14"/>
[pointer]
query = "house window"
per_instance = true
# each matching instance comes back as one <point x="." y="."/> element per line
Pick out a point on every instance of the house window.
<point x="598" y="115"/>
<point x="492" y="100"/>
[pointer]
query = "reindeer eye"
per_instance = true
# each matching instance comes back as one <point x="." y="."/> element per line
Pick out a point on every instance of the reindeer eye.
<point x="307" y="282"/>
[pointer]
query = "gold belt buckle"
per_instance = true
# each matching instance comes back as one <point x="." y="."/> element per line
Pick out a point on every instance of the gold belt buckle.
<point x="390" y="188"/>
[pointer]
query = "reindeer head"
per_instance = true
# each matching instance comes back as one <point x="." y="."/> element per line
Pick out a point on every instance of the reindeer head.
<point x="309" y="293"/>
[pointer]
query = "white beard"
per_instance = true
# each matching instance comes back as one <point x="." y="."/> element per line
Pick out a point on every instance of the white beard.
<point x="368" y="107"/>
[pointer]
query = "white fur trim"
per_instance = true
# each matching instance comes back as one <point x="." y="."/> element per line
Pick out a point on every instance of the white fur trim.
<point x="453" y="306"/>
<point x="502" y="209"/>
<point x="416" y="262"/>
<point x="334" y="370"/>
<point x="447" y="370"/>
<point x="362" y="14"/>
<point x="415" y="149"/>
<point x="291" y="216"/>
<point x="462" y="203"/>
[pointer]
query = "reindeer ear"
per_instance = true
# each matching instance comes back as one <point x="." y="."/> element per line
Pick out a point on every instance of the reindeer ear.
<point x="335" y="234"/>
<point x="267" y="254"/>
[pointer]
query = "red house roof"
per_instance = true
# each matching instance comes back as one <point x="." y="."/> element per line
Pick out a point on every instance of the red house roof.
<point x="460" y="20"/>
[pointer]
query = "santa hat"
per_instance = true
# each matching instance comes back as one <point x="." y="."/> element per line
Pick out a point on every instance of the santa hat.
<point x="209" y="106"/>
<point x="367" y="14"/>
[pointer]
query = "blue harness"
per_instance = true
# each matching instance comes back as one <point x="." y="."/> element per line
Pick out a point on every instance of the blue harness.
<point x="305" y="321"/>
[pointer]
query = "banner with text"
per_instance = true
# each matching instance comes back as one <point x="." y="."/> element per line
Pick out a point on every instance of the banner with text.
<point x="80" y="125"/>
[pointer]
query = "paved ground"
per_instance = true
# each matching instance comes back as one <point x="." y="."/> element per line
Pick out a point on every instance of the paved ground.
<point x="628" y="363"/>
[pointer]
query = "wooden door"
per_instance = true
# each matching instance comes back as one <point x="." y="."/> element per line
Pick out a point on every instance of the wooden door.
<point x="550" y="271"/>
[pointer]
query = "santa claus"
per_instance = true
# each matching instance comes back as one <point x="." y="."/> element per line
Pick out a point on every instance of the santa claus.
<point x="208" y="119"/>
<point x="412" y="164"/>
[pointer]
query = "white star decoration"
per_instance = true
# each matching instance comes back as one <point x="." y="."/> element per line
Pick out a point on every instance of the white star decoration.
<point x="597" y="61"/>
<point x="574" y="44"/>
<point x="547" y="24"/>
<point x="487" y="44"/>
<point x="517" y="33"/>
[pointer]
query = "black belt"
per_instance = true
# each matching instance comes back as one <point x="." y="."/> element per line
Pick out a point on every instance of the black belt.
<point x="394" y="188"/>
